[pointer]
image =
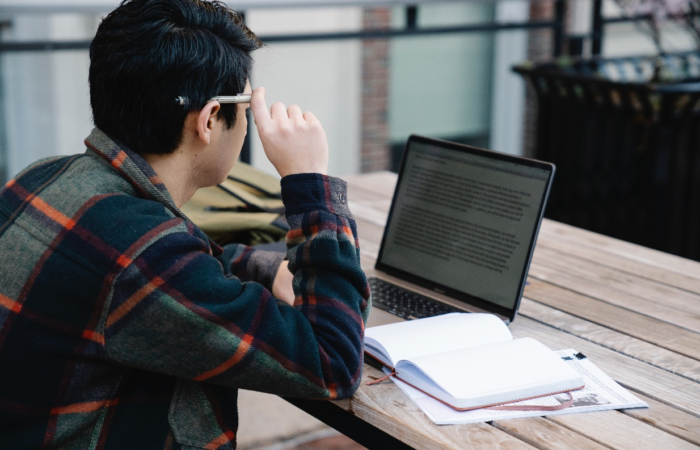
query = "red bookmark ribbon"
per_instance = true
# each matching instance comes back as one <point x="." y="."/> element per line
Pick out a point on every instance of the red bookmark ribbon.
<point x="384" y="378"/>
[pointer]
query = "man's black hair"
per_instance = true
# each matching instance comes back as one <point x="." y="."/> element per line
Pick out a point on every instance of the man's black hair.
<point x="146" y="53"/>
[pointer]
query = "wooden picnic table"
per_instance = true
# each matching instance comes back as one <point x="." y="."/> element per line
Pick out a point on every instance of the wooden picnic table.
<point x="635" y="312"/>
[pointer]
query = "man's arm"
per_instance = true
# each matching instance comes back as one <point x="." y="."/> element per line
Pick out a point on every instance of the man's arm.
<point x="294" y="143"/>
<point x="265" y="267"/>
<point x="175" y="312"/>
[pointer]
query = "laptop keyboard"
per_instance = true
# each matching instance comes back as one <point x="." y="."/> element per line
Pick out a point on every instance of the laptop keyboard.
<point x="405" y="304"/>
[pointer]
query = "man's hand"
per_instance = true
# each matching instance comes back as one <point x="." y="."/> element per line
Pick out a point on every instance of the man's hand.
<point x="293" y="142"/>
<point x="282" y="286"/>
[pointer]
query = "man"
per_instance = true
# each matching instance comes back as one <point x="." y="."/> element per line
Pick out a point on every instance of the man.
<point x="121" y="325"/>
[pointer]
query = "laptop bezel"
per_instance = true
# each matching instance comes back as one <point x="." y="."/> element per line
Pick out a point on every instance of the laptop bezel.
<point x="470" y="300"/>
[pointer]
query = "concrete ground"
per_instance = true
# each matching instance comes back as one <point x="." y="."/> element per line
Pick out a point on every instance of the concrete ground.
<point x="269" y="423"/>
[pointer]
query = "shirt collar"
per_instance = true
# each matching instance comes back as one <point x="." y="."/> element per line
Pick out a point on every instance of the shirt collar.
<point x="137" y="171"/>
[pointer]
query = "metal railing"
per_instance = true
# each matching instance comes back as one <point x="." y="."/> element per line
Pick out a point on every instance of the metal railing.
<point x="410" y="28"/>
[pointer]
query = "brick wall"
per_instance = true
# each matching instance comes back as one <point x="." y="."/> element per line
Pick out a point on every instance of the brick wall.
<point x="376" y="152"/>
<point x="539" y="48"/>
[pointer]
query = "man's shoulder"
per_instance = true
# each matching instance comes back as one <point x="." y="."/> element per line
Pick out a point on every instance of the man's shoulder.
<point x="86" y="200"/>
<point x="72" y="177"/>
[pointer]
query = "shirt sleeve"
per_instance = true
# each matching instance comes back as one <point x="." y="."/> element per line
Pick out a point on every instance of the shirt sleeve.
<point x="251" y="264"/>
<point x="174" y="311"/>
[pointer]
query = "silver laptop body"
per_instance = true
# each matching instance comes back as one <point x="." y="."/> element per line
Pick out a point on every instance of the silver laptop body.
<point x="462" y="227"/>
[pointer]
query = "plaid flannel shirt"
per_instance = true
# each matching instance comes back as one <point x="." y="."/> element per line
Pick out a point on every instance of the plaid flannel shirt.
<point x="122" y="326"/>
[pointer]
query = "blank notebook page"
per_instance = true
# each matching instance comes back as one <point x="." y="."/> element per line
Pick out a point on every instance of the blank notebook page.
<point x="494" y="368"/>
<point x="407" y="340"/>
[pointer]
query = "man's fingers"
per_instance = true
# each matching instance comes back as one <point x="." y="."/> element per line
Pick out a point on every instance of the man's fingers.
<point x="278" y="111"/>
<point x="294" y="113"/>
<point x="293" y="142"/>
<point x="310" y="117"/>
<point x="259" y="107"/>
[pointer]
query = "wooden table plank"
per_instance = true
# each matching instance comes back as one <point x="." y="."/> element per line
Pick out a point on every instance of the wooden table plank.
<point x="579" y="284"/>
<point x="597" y="275"/>
<point x="618" y="341"/>
<point x="545" y="434"/>
<point x="674" y="390"/>
<point x="379" y="184"/>
<point x="668" y="419"/>
<point x="389" y="409"/>
<point x="371" y="404"/>
<point x="614" y="429"/>
<point x="655" y="258"/>
<point x="587" y="252"/>
<point x="369" y="231"/>
<point x="628" y="322"/>
<point x="683" y="406"/>
<point x="360" y="194"/>
<point x="368" y="213"/>
<point x="686" y="343"/>
<point x="534" y="431"/>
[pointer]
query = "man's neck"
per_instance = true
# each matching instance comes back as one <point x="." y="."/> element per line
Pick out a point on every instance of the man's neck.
<point x="177" y="172"/>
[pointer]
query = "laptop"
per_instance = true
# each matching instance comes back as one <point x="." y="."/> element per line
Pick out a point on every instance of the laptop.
<point x="460" y="234"/>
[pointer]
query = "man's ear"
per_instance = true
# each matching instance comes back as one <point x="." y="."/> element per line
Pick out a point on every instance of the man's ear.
<point x="205" y="121"/>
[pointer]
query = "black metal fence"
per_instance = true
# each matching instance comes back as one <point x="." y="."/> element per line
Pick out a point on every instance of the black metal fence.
<point x="627" y="149"/>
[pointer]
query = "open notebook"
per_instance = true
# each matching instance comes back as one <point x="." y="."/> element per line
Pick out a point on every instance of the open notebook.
<point x="469" y="361"/>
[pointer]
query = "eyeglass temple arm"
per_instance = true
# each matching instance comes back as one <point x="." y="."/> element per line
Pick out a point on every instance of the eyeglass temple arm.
<point x="240" y="98"/>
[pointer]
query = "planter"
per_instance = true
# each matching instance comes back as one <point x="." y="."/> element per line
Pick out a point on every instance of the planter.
<point x="627" y="150"/>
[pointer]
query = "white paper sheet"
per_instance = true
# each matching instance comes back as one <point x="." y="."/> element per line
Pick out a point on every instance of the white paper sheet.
<point x="601" y="393"/>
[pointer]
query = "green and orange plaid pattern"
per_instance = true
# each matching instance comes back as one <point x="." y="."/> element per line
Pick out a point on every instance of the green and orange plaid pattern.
<point x="122" y="326"/>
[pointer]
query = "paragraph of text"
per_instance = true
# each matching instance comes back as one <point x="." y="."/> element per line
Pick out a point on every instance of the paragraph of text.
<point x="449" y="238"/>
<point x="463" y="193"/>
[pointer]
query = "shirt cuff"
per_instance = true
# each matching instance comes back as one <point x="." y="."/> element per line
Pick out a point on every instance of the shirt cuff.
<point x="263" y="267"/>
<point x="251" y="264"/>
<point x="305" y="192"/>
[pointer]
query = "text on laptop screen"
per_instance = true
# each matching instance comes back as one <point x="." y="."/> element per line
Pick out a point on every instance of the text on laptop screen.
<point x="465" y="221"/>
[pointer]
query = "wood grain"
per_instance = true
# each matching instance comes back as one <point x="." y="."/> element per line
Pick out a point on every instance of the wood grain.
<point x="616" y="296"/>
<point x="588" y="252"/>
<point x="389" y="409"/>
<point x="620" y="319"/>
<point x="618" y="431"/>
<point x="595" y="275"/>
<point x="545" y="434"/>
<point x="368" y="213"/>
<point x="659" y="384"/>
<point x="628" y="250"/>
<point x="618" y="341"/>
<point x="379" y="184"/>
<point x="368" y="232"/>
<point x="668" y="419"/>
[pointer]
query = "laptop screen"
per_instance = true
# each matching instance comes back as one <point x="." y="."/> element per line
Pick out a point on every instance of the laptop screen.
<point x="464" y="221"/>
